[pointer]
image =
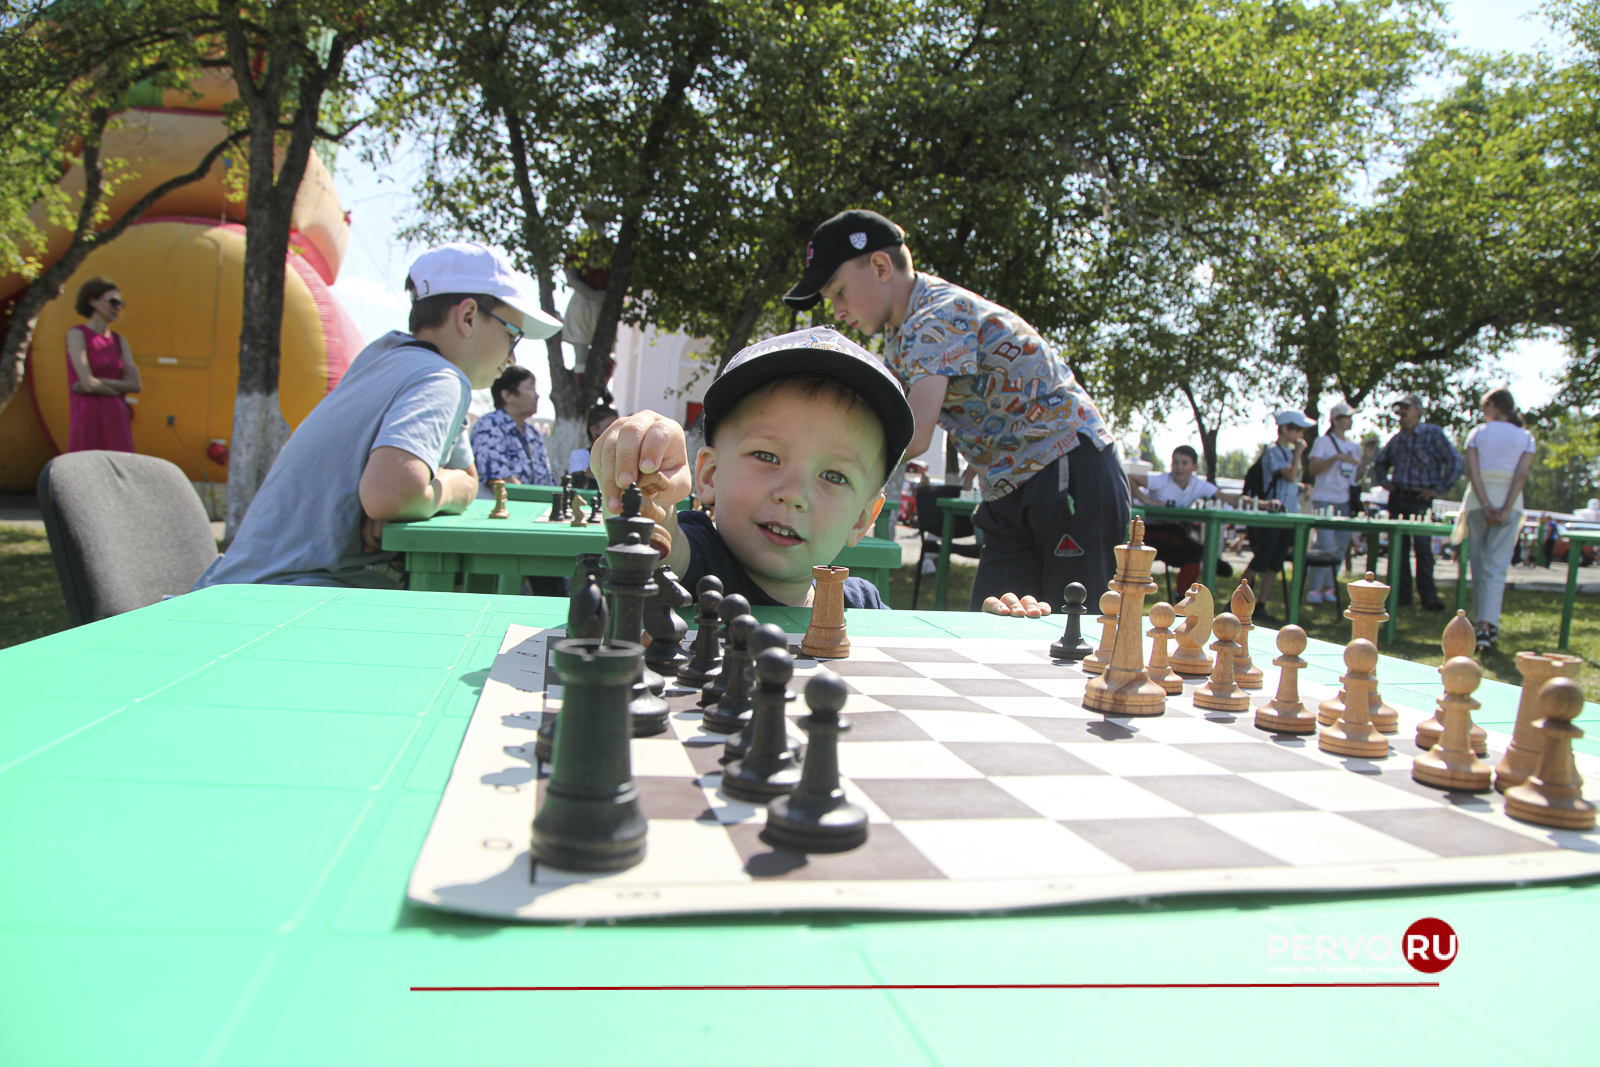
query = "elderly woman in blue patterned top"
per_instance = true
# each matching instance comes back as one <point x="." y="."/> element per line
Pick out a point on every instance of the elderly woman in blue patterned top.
<point x="502" y="443"/>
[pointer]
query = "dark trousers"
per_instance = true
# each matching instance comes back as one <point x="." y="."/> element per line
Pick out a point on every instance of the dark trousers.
<point x="1405" y="503"/>
<point x="1038" y="539"/>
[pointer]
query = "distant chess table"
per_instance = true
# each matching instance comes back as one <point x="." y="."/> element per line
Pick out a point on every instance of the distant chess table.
<point x="1578" y="539"/>
<point x="494" y="555"/>
<point x="1303" y="526"/>
<point x="210" y="809"/>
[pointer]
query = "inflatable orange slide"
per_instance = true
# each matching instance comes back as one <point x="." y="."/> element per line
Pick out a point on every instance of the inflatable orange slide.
<point x="181" y="270"/>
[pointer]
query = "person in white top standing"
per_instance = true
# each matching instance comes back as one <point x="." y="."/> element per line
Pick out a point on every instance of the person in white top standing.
<point x="1337" y="463"/>
<point x="1499" y="455"/>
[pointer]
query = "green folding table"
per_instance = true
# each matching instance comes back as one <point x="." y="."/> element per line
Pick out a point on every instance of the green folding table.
<point x="494" y="555"/>
<point x="1576" y="539"/>
<point x="209" y="809"/>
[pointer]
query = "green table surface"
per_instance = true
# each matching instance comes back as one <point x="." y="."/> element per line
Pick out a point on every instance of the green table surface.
<point x="471" y="543"/>
<point x="209" y="809"/>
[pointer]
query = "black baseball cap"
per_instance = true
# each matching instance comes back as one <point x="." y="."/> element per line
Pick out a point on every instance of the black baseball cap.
<point x="833" y="244"/>
<point x="818" y="353"/>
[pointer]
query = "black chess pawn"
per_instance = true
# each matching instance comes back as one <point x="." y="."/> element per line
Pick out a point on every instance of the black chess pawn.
<point x="589" y="818"/>
<point x="586" y="621"/>
<point x="629" y="584"/>
<point x="728" y="713"/>
<point x="769" y="768"/>
<point x="596" y="513"/>
<point x="664" y="625"/>
<point x="733" y="605"/>
<point x="817" y="816"/>
<point x="705" y="654"/>
<point x="768" y="635"/>
<point x="1072" y="647"/>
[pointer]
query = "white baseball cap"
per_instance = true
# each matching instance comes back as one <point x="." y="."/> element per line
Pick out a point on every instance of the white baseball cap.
<point x="1293" y="417"/>
<point x="1341" y="408"/>
<point x="468" y="268"/>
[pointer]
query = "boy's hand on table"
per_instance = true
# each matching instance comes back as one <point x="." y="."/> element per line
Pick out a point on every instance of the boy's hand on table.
<point x="1017" y="607"/>
<point x="647" y="448"/>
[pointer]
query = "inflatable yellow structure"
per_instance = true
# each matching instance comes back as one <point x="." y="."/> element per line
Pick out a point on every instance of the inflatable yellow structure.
<point x="181" y="270"/>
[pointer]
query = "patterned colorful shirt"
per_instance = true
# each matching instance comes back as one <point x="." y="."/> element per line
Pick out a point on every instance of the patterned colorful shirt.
<point x="1421" y="459"/>
<point x="1011" y="404"/>
<point x="504" y="451"/>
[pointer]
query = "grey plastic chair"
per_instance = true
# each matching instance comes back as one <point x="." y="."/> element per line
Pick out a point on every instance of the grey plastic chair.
<point x="125" y="530"/>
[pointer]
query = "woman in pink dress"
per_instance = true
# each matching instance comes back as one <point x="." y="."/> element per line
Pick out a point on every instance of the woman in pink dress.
<point x="100" y="372"/>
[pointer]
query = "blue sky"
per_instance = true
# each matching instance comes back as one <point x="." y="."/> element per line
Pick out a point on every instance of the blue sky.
<point x="370" y="284"/>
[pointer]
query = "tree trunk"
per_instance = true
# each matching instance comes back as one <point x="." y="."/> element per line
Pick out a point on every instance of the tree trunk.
<point x="645" y="189"/>
<point x="749" y="310"/>
<point x="1208" y="438"/>
<point x="259" y="428"/>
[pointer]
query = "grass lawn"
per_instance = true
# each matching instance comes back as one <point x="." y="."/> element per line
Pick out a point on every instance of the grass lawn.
<point x="30" y="595"/>
<point x="1529" y="622"/>
<point x="31" y="606"/>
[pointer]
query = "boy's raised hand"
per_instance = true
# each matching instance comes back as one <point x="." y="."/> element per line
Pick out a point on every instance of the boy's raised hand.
<point x="642" y="444"/>
<point x="1017" y="607"/>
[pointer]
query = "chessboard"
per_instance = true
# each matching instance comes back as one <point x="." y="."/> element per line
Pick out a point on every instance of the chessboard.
<point x="988" y="786"/>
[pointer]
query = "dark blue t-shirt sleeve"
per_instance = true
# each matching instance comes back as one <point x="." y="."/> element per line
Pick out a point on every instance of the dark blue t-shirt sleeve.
<point x="708" y="554"/>
<point x="860" y="593"/>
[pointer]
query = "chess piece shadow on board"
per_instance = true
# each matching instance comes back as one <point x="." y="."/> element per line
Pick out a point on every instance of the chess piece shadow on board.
<point x="1459" y="640"/>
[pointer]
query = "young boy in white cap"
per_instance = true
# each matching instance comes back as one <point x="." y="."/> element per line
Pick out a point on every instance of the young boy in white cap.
<point x="1056" y="497"/>
<point x="389" y="442"/>
<point x="802" y="431"/>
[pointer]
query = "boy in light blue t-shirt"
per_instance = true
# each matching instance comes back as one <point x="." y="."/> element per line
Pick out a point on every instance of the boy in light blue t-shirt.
<point x="388" y="444"/>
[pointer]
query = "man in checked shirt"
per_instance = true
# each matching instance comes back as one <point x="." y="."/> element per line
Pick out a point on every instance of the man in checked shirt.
<point x="1418" y="464"/>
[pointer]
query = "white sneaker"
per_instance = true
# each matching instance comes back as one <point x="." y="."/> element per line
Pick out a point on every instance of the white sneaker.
<point x="1314" y="597"/>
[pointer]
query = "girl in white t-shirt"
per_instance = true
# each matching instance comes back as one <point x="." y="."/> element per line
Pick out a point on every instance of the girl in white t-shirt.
<point x="1337" y="463"/>
<point x="1499" y="454"/>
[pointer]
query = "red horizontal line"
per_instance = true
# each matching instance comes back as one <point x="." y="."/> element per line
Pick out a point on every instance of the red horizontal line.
<point x="1018" y="985"/>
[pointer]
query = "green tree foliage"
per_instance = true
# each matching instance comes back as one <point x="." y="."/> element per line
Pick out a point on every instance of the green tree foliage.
<point x="1566" y="466"/>
<point x="1037" y="152"/>
<point x="65" y="71"/>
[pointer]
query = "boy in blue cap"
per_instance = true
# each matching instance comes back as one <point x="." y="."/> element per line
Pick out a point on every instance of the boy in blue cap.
<point x="802" y="430"/>
<point x="1056" y="497"/>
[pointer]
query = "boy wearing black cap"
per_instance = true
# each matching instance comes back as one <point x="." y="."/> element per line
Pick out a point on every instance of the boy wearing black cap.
<point x="802" y="431"/>
<point x="1056" y="497"/>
